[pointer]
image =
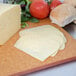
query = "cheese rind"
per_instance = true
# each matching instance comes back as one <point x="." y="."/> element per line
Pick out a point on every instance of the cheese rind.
<point x="10" y="21"/>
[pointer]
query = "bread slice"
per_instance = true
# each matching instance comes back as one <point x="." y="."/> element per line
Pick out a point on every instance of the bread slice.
<point x="63" y="15"/>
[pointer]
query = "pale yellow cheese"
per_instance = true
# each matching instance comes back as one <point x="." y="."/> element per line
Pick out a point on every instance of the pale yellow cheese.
<point x="43" y="28"/>
<point x="41" y="42"/>
<point x="54" y="53"/>
<point x="9" y="21"/>
<point x="47" y="29"/>
<point x="37" y="46"/>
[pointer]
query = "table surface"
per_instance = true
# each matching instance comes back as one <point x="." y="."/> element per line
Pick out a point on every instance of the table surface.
<point x="67" y="69"/>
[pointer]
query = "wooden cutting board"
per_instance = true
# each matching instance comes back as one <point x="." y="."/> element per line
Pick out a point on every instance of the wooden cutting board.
<point x="14" y="62"/>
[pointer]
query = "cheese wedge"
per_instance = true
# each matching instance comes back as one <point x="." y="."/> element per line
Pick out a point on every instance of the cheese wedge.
<point x="41" y="42"/>
<point x="9" y="21"/>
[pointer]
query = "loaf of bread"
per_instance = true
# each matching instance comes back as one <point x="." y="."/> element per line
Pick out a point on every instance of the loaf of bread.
<point x="63" y="14"/>
<point x="71" y="2"/>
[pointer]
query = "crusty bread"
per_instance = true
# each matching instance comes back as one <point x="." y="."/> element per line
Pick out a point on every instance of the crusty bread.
<point x="63" y="15"/>
<point x="71" y="2"/>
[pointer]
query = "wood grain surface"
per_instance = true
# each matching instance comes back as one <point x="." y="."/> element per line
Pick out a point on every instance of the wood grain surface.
<point x="14" y="62"/>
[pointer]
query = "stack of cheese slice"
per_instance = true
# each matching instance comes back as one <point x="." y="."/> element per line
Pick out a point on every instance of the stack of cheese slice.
<point x="41" y="42"/>
<point x="10" y="20"/>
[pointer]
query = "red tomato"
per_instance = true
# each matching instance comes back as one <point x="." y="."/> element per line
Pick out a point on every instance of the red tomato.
<point x="39" y="9"/>
<point x="55" y="3"/>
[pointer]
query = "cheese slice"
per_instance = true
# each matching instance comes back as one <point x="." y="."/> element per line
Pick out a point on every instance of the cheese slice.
<point x="37" y="46"/>
<point x="41" y="42"/>
<point x="54" y="53"/>
<point x="47" y="29"/>
<point x="9" y="21"/>
<point x="43" y="28"/>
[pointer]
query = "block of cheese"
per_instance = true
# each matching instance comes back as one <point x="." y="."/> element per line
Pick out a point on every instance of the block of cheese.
<point x="41" y="42"/>
<point x="9" y="21"/>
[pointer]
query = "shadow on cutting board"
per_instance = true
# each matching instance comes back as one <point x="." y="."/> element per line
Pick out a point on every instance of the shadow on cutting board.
<point x="71" y="29"/>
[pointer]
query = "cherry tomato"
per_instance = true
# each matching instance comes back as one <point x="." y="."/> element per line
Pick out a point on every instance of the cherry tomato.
<point x="55" y="3"/>
<point x="39" y="9"/>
